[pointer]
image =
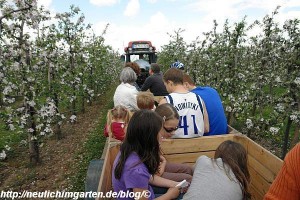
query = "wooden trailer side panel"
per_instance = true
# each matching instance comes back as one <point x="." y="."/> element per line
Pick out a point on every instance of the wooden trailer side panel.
<point x="105" y="183"/>
<point x="200" y="144"/>
<point x="263" y="166"/>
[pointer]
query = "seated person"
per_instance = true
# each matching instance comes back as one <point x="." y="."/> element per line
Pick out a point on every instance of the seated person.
<point x="224" y="177"/>
<point x="172" y="171"/>
<point x="125" y="94"/>
<point x="213" y="103"/>
<point x="286" y="186"/>
<point x="117" y="120"/>
<point x="137" y="71"/>
<point x="145" y="100"/>
<point x="193" y="117"/>
<point x="154" y="82"/>
<point x="138" y="160"/>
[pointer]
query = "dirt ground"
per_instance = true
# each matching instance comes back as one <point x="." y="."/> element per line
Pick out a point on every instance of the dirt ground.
<point x="57" y="158"/>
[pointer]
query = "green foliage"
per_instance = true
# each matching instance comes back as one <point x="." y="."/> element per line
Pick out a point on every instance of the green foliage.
<point x="256" y="76"/>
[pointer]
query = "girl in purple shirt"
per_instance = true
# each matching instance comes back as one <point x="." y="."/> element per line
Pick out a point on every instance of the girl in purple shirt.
<point x="138" y="159"/>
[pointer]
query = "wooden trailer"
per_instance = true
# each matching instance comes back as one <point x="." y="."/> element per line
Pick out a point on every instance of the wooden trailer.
<point x="263" y="165"/>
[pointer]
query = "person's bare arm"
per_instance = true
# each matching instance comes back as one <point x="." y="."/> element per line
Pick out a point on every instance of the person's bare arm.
<point x="162" y="165"/>
<point x="206" y="119"/>
<point x="163" y="101"/>
<point x="162" y="182"/>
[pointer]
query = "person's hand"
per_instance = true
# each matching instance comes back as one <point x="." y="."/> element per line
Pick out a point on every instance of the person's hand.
<point x="183" y="187"/>
<point x="173" y="192"/>
<point x="162" y="159"/>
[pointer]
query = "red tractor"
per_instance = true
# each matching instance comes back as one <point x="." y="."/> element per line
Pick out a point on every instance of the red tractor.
<point x="143" y="53"/>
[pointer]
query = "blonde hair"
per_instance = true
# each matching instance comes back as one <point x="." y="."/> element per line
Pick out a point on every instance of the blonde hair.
<point x="145" y="100"/>
<point x="118" y="112"/>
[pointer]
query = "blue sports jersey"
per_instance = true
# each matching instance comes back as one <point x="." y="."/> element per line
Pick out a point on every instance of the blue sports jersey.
<point x="215" y="111"/>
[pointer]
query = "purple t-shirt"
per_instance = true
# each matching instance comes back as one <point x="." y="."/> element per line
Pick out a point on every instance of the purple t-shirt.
<point x="134" y="175"/>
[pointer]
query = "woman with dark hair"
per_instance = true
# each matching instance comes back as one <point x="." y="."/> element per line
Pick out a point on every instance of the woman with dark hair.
<point x="224" y="177"/>
<point x="136" y="68"/>
<point x="138" y="159"/>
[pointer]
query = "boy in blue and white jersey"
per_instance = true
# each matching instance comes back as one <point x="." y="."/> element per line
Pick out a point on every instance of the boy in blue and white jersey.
<point x="193" y="120"/>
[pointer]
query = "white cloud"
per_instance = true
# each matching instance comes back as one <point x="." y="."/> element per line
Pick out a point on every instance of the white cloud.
<point x="216" y="9"/>
<point x="132" y="8"/>
<point x="103" y="2"/>
<point x="45" y="3"/>
<point x="118" y="36"/>
<point x="233" y="8"/>
<point x="152" y="1"/>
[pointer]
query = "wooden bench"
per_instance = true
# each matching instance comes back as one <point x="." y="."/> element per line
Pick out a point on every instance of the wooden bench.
<point x="263" y="165"/>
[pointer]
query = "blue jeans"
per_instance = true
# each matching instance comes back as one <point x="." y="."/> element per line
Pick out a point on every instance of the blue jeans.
<point x="159" y="191"/>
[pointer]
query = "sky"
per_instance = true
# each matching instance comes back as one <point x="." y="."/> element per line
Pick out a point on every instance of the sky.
<point x="154" y="20"/>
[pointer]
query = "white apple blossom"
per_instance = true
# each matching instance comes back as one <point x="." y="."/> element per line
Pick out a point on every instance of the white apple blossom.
<point x="7" y="90"/>
<point x="30" y="79"/>
<point x="23" y="142"/>
<point x="2" y="155"/>
<point x="11" y="127"/>
<point x="73" y="118"/>
<point x="228" y="109"/>
<point x="33" y="138"/>
<point x="39" y="127"/>
<point x="7" y="147"/>
<point x="30" y="130"/>
<point x="278" y="80"/>
<point x="241" y="76"/>
<point x="279" y="107"/>
<point x="31" y="103"/>
<point x="274" y="130"/>
<point x="297" y="80"/>
<point x="249" y="123"/>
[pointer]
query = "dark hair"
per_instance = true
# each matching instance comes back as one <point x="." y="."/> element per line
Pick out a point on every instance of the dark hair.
<point x="141" y="138"/>
<point x="175" y="75"/>
<point x="235" y="156"/>
<point x="155" y="68"/>
<point x="136" y="68"/>
<point x="167" y="111"/>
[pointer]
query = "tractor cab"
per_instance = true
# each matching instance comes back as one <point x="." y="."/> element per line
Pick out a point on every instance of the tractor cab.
<point x="143" y="53"/>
